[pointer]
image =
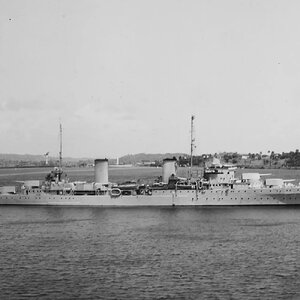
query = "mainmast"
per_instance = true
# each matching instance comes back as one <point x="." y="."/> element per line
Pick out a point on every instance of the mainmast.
<point x="60" y="146"/>
<point x="192" y="143"/>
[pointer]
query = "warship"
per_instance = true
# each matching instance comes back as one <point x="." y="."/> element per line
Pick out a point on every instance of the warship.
<point x="218" y="186"/>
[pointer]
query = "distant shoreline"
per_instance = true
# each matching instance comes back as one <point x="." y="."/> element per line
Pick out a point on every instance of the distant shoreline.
<point x="150" y="167"/>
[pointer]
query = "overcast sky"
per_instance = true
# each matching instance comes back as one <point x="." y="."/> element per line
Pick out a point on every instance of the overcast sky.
<point x="126" y="76"/>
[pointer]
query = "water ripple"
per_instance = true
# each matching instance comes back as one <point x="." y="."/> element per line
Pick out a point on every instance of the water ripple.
<point x="149" y="253"/>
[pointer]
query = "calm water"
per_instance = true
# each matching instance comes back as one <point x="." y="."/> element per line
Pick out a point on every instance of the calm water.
<point x="145" y="253"/>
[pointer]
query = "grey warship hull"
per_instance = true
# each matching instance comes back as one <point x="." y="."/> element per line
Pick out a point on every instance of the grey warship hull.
<point x="215" y="197"/>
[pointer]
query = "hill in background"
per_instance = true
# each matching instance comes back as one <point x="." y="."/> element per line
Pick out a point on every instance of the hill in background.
<point x="29" y="160"/>
<point x="251" y="160"/>
<point x="144" y="157"/>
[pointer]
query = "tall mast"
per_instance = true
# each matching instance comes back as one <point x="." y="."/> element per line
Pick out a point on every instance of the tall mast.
<point x="60" y="145"/>
<point x="192" y="143"/>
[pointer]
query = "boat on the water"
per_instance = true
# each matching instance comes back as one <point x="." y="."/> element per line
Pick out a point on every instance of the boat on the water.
<point x="218" y="186"/>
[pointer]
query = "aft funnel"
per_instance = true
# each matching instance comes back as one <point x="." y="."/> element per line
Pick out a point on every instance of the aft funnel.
<point x="169" y="168"/>
<point x="101" y="170"/>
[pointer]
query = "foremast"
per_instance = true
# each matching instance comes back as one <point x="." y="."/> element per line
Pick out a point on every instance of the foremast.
<point x="192" y="144"/>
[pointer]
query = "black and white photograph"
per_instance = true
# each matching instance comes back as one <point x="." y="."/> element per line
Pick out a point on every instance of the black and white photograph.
<point x="149" y="149"/>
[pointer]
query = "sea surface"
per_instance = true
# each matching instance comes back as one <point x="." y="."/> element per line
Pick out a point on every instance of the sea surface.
<point x="149" y="253"/>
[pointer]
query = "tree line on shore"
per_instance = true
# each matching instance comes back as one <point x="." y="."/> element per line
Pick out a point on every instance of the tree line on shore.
<point x="271" y="159"/>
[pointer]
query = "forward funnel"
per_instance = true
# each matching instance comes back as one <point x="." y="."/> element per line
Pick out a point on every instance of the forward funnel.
<point x="169" y="168"/>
